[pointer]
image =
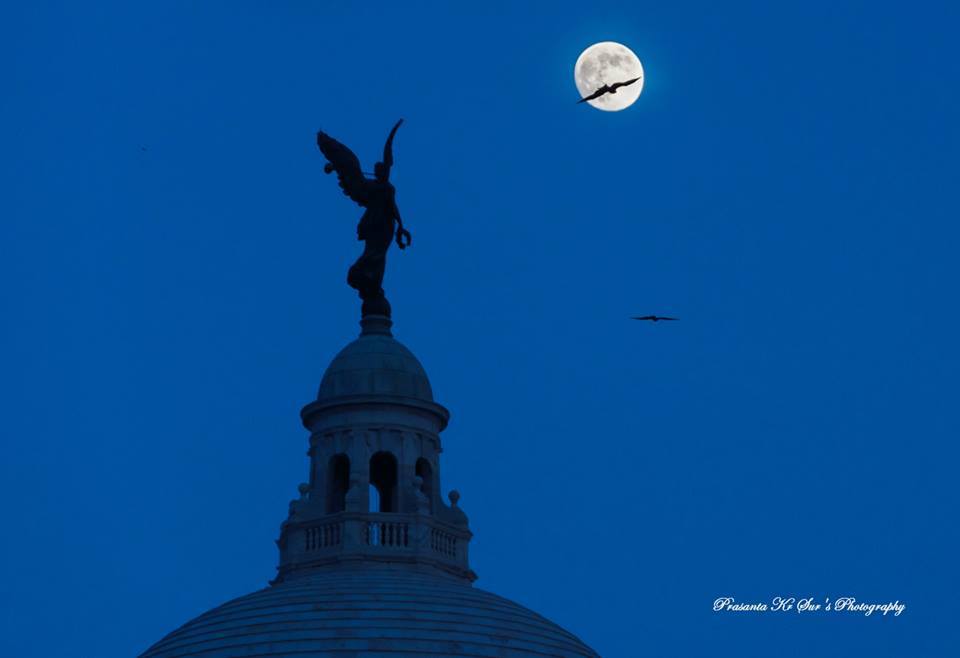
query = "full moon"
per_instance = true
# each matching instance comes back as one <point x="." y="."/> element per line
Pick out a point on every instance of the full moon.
<point x="605" y="63"/>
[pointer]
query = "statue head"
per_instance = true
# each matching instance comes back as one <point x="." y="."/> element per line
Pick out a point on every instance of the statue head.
<point x="381" y="171"/>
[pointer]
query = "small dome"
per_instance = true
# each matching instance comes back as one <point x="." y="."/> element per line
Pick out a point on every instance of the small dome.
<point x="370" y="612"/>
<point x="375" y="364"/>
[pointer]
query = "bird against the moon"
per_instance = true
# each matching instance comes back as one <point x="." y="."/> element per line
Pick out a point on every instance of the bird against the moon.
<point x="609" y="64"/>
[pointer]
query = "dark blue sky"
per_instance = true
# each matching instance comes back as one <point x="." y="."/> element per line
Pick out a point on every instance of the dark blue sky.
<point x="173" y="263"/>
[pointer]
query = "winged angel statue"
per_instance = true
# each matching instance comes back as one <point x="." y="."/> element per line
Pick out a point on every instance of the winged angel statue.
<point x="376" y="227"/>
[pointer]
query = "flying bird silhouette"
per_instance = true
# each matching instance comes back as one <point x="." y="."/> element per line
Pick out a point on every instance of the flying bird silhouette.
<point x="607" y="89"/>
<point x="653" y="318"/>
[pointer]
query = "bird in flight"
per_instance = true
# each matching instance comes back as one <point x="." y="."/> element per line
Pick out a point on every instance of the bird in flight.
<point x="653" y="318"/>
<point x="607" y="89"/>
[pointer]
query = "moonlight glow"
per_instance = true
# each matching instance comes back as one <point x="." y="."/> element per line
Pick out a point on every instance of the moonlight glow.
<point x="608" y="62"/>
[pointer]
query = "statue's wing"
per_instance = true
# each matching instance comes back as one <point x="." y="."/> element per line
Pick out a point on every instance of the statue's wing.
<point x="343" y="161"/>
<point x="388" y="148"/>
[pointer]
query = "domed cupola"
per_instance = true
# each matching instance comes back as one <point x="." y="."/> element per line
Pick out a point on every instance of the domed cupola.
<point x="374" y="489"/>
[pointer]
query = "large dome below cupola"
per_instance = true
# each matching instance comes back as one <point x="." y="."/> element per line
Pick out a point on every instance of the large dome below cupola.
<point x="370" y="612"/>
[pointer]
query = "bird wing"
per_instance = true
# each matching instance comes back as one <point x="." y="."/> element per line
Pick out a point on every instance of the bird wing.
<point x="597" y="94"/>
<point x="666" y="318"/>
<point x="644" y="317"/>
<point x="343" y="161"/>
<point x="617" y="85"/>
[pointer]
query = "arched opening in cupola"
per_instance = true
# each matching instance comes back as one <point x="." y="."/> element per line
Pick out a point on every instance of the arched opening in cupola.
<point x="425" y="471"/>
<point x="383" y="478"/>
<point x="338" y="481"/>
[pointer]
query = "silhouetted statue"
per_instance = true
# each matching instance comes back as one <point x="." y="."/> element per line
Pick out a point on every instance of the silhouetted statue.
<point x="376" y="227"/>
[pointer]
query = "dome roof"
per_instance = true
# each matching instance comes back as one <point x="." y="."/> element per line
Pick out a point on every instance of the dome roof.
<point x="375" y="364"/>
<point x="369" y="612"/>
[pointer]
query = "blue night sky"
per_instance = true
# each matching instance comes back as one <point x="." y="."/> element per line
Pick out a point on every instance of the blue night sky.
<point x="173" y="263"/>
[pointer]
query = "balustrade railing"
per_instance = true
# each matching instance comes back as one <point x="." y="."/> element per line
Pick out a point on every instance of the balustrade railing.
<point x="387" y="533"/>
<point x="410" y="534"/>
<point x="324" y="536"/>
<point x="443" y="542"/>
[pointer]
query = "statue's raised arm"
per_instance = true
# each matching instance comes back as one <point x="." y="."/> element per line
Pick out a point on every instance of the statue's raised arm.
<point x="377" y="226"/>
<point x="388" y="150"/>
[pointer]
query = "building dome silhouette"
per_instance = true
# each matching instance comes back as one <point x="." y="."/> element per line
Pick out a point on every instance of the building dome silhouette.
<point x="373" y="562"/>
<point x="377" y="611"/>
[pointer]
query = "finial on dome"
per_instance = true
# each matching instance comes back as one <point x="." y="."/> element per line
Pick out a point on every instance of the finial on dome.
<point x="375" y="305"/>
<point x="454" y="496"/>
<point x="375" y="324"/>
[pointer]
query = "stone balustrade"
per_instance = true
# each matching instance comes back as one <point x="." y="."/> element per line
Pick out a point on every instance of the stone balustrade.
<point x="326" y="535"/>
<point x="416" y="538"/>
<point x="387" y="533"/>
<point x="442" y="542"/>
